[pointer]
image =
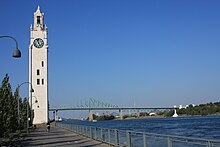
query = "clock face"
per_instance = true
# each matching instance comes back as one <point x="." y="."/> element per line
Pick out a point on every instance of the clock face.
<point x="38" y="43"/>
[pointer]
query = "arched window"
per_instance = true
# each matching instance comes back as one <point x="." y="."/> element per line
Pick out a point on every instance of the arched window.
<point x="38" y="19"/>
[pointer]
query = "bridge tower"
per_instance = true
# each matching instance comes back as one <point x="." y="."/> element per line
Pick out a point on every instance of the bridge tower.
<point x="121" y="114"/>
<point x="90" y="115"/>
<point x="38" y="67"/>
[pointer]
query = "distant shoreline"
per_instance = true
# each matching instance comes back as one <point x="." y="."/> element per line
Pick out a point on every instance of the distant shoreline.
<point x="159" y="116"/>
<point x="129" y="118"/>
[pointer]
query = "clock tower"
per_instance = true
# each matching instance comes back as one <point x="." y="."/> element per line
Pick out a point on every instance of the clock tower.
<point x="38" y="68"/>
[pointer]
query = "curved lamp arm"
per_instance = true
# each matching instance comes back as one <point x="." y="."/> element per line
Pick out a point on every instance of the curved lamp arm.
<point x="16" y="53"/>
<point x="32" y="90"/>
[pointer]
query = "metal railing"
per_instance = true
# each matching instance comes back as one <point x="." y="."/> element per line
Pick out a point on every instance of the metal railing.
<point x="126" y="138"/>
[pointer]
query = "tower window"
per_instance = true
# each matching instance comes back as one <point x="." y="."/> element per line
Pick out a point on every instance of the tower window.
<point x="38" y="19"/>
<point x="38" y="72"/>
<point x="42" y="63"/>
<point x="38" y="81"/>
<point x="42" y="81"/>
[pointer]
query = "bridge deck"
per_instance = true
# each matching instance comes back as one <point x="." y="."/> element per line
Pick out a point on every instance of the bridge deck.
<point x="110" y="108"/>
<point x="58" y="137"/>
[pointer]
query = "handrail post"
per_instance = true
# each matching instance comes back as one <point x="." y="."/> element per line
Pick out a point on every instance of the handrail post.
<point x="82" y="130"/>
<point x="144" y="140"/>
<point x="95" y="137"/>
<point x="209" y="144"/>
<point x="128" y="136"/>
<point x="116" y="137"/>
<point x="101" y="134"/>
<point x="109" y="136"/>
<point x="104" y="135"/>
<point x="169" y="141"/>
<point x="87" y="131"/>
<point x="77" y="128"/>
<point x="90" y="131"/>
<point x="68" y="127"/>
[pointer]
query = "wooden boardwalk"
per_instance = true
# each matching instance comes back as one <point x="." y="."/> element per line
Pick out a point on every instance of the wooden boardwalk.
<point x="58" y="137"/>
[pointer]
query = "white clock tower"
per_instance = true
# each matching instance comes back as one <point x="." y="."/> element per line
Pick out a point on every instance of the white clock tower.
<point x="38" y="68"/>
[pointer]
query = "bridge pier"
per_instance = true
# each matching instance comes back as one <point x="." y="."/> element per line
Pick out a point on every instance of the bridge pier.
<point x="121" y="114"/>
<point x="56" y="115"/>
<point x="138" y="114"/>
<point x="90" y="115"/>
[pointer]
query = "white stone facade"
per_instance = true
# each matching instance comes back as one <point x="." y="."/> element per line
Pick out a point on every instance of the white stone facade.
<point x="38" y="68"/>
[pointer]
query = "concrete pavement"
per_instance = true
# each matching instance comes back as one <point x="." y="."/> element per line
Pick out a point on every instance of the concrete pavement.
<point x="58" y="137"/>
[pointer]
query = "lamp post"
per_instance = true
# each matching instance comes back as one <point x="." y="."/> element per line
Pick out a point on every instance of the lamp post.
<point x="16" y="53"/>
<point x="36" y="101"/>
<point x="32" y="90"/>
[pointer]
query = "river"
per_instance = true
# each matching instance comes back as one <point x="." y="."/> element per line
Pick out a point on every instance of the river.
<point x="207" y="127"/>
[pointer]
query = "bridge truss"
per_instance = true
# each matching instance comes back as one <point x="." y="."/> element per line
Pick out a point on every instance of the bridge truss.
<point x="85" y="104"/>
<point x="93" y="104"/>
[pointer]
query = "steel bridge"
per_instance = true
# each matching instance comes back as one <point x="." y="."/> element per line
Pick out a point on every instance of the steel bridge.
<point x="86" y="103"/>
<point x="93" y="104"/>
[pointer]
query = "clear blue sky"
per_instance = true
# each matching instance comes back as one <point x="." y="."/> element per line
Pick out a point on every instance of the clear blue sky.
<point x="156" y="52"/>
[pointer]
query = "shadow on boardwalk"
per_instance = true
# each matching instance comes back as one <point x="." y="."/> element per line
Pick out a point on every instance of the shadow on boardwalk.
<point x="58" y="137"/>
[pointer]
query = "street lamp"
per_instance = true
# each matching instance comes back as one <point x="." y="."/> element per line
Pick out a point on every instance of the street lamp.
<point x="16" y="53"/>
<point x="32" y="90"/>
<point x="36" y="101"/>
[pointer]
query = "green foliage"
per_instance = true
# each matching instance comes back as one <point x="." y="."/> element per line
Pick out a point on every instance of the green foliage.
<point x="102" y="117"/>
<point x="202" y="110"/>
<point x="169" y="113"/>
<point x="8" y="109"/>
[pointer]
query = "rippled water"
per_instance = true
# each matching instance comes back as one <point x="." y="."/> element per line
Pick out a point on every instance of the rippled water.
<point x="199" y="127"/>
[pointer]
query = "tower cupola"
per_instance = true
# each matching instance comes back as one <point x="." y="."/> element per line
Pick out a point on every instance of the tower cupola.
<point x="39" y="20"/>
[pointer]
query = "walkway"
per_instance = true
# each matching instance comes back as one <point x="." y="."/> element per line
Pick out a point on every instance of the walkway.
<point x="58" y="137"/>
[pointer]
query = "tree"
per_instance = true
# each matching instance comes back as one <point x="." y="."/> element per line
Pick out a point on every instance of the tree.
<point x="8" y="109"/>
<point x="23" y="114"/>
<point x="7" y="116"/>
